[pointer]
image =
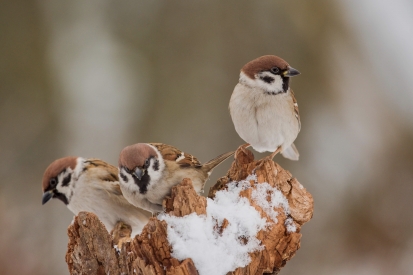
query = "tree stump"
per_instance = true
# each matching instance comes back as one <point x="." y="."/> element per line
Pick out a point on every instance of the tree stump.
<point x="92" y="250"/>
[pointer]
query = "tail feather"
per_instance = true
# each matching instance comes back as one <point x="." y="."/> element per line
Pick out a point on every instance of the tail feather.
<point x="208" y="166"/>
<point x="291" y="152"/>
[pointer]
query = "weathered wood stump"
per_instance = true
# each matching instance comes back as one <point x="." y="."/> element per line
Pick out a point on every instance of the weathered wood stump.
<point x="92" y="250"/>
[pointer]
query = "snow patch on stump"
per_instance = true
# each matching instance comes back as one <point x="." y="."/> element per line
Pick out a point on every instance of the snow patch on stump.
<point x="216" y="251"/>
<point x="268" y="198"/>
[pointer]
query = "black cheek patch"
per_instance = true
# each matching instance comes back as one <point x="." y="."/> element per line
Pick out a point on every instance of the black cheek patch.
<point x="125" y="178"/>
<point x="156" y="165"/>
<point x="143" y="183"/>
<point x="267" y="79"/>
<point x="66" y="180"/>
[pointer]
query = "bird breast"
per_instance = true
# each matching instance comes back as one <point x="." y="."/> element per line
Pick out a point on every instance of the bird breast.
<point x="265" y="121"/>
<point x="97" y="196"/>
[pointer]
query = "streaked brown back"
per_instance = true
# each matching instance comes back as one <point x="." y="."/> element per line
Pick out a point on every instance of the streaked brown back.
<point x="112" y="171"/>
<point x="171" y="153"/>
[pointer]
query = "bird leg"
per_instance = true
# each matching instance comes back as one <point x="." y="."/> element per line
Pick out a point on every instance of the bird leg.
<point x="244" y="147"/>
<point x="270" y="157"/>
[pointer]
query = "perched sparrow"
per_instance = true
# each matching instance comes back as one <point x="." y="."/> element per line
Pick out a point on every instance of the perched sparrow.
<point x="91" y="185"/>
<point x="148" y="171"/>
<point x="263" y="107"/>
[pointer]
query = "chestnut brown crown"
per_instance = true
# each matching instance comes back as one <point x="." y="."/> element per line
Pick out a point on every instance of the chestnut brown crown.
<point x="135" y="155"/>
<point x="55" y="168"/>
<point x="264" y="63"/>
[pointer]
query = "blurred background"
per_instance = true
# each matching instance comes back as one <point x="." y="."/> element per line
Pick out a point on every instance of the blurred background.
<point x="86" y="78"/>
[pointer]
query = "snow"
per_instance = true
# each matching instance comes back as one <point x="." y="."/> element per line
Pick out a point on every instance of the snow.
<point x="198" y="237"/>
<point x="275" y="199"/>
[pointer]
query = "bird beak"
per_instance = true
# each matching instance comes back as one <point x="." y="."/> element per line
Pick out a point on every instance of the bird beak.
<point x="47" y="196"/>
<point x="291" y="72"/>
<point x="139" y="173"/>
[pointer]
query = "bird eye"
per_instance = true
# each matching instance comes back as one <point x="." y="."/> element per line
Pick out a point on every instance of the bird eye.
<point x="147" y="163"/>
<point x="53" y="182"/>
<point x="275" y="70"/>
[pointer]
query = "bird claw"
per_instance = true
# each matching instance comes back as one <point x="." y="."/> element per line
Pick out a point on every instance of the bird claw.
<point x="267" y="158"/>
<point x="244" y="147"/>
<point x="259" y="164"/>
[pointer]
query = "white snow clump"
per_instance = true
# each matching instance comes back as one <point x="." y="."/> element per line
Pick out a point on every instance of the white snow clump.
<point x="198" y="238"/>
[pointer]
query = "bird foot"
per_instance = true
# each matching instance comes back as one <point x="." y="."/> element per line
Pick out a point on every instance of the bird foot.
<point x="267" y="158"/>
<point x="270" y="157"/>
<point x="244" y="147"/>
<point x="259" y="164"/>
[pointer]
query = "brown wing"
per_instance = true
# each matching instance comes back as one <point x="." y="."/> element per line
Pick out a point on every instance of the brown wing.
<point x="297" y="113"/>
<point x="174" y="154"/>
<point x="112" y="171"/>
<point x="111" y="174"/>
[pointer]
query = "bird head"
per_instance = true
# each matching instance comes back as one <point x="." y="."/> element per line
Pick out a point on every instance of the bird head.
<point x="269" y="73"/>
<point x="58" y="179"/>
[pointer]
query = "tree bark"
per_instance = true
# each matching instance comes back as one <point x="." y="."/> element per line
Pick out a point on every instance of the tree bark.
<point x="92" y="250"/>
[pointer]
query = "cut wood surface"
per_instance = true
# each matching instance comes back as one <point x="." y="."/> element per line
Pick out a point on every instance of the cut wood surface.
<point x="92" y="250"/>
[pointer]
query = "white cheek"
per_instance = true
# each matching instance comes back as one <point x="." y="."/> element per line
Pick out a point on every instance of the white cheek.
<point x="275" y="86"/>
<point x="130" y="183"/>
<point x="156" y="174"/>
<point x="67" y="190"/>
<point x="76" y="173"/>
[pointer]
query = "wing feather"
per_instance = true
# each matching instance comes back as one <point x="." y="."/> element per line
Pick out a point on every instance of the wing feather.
<point x="296" y="112"/>
<point x="107" y="173"/>
<point x="174" y="154"/>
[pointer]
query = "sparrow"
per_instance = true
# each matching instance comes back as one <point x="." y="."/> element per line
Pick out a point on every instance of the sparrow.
<point x="263" y="107"/>
<point x="148" y="171"/>
<point x="91" y="185"/>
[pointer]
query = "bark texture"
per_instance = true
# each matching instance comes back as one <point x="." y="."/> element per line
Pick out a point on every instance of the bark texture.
<point x="92" y="250"/>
